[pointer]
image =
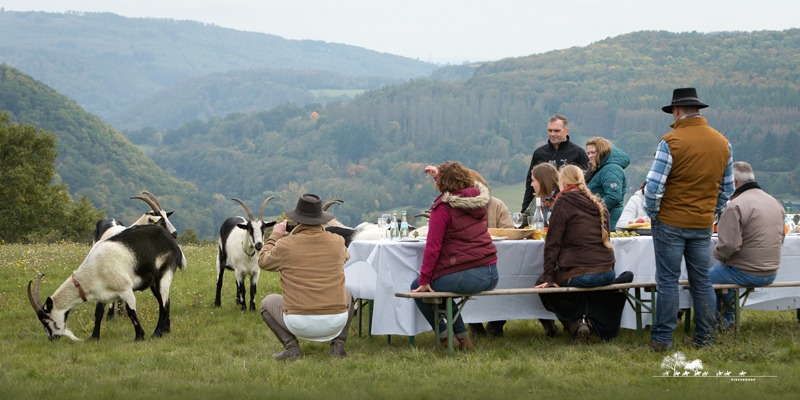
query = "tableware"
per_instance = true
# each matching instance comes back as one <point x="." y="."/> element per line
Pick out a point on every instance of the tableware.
<point x="517" y="218"/>
<point x="511" y="234"/>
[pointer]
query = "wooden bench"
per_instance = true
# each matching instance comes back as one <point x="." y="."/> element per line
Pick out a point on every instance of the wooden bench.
<point x="723" y="288"/>
<point x="449" y="315"/>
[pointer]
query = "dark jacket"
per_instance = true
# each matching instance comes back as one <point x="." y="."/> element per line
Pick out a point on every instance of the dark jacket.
<point x="609" y="182"/>
<point x="567" y="153"/>
<point x="458" y="239"/>
<point x="574" y="242"/>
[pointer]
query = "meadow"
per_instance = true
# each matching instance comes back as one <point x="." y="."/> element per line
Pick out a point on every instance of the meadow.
<point x="223" y="352"/>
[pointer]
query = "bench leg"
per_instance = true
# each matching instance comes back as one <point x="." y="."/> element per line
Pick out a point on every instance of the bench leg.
<point x="411" y="341"/>
<point x="449" y="308"/>
<point x="736" y="311"/>
<point x="369" y="327"/>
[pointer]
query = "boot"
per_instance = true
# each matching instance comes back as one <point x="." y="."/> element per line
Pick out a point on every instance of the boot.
<point x="291" y="347"/>
<point x="465" y="344"/>
<point x="337" y="344"/>
<point x="550" y="328"/>
<point x="477" y="330"/>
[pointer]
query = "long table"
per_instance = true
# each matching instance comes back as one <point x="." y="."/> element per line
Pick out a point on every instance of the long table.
<point x="378" y="269"/>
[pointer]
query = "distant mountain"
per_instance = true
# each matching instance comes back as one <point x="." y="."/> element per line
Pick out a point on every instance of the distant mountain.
<point x="96" y="160"/>
<point x="106" y="62"/>
<point x="245" y="91"/>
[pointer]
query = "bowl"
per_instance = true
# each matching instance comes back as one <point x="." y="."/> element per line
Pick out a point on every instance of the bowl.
<point x="511" y="234"/>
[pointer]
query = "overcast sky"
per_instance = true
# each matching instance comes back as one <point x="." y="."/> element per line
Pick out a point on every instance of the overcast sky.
<point x="451" y="31"/>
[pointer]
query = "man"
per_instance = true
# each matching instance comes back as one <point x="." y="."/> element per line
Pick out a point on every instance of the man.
<point x="558" y="150"/>
<point x="690" y="180"/>
<point x="315" y="304"/>
<point x="751" y="233"/>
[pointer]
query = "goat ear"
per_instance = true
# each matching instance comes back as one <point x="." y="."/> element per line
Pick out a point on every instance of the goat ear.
<point x="169" y="213"/>
<point x="48" y="305"/>
<point x="267" y="224"/>
<point x="155" y="220"/>
<point x="242" y="226"/>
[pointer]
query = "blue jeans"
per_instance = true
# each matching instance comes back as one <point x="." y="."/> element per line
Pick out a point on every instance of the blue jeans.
<point x="725" y="274"/>
<point x="671" y="244"/>
<point x="468" y="281"/>
<point x="591" y="280"/>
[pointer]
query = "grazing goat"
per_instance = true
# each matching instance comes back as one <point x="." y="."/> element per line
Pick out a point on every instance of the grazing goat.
<point x="140" y="257"/>
<point x="106" y="228"/>
<point x="240" y="240"/>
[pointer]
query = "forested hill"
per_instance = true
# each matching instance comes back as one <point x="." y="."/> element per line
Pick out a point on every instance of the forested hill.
<point x="107" y="62"/>
<point x="241" y="91"/>
<point x="371" y="151"/>
<point x="97" y="161"/>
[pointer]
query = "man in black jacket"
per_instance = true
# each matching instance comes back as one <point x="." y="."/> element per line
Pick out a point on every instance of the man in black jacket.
<point x="557" y="151"/>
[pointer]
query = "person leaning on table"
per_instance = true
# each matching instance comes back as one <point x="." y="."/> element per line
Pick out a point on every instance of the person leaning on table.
<point x="578" y="253"/>
<point x="315" y="304"/>
<point x="459" y="254"/>
<point x="751" y="233"/>
<point x="690" y="180"/>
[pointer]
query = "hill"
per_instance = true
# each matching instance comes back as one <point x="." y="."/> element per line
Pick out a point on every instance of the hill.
<point x="370" y="151"/>
<point x="106" y="62"/>
<point x="97" y="161"/>
<point x="250" y="90"/>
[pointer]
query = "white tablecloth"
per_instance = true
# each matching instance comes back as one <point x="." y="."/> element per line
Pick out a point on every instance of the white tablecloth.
<point x="377" y="270"/>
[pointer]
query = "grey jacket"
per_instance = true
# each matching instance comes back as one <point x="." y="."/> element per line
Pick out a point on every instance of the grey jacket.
<point x="751" y="232"/>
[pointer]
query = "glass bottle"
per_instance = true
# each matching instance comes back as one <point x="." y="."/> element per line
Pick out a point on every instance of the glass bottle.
<point x="789" y="221"/>
<point x="393" y="226"/>
<point x="404" y="227"/>
<point x="538" y="219"/>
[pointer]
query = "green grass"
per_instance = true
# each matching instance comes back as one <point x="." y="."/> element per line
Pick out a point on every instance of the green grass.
<point x="511" y="195"/>
<point x="222" y="352"/>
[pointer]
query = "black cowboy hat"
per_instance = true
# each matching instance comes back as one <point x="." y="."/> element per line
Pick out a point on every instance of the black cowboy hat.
<point x="684" y="97"/>
<point x="309" y="211"/>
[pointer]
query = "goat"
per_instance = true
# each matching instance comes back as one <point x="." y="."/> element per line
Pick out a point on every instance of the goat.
<point x="106" y="228"/>
<point x="240" y="240"/>
<point x="364" y="230"/>
<point x="140" y="257"/>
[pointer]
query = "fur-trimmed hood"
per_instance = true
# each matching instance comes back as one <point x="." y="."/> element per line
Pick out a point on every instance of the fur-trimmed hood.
<point x="472" y="199"/>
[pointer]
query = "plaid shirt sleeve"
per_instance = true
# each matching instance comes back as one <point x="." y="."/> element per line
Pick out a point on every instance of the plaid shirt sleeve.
<point x="656" y="179"/>
<point x="726" y="185"/>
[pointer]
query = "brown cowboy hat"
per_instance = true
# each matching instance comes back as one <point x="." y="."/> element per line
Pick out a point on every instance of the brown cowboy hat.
<point x="684" y="97"/>
<point x="309" y="211"/>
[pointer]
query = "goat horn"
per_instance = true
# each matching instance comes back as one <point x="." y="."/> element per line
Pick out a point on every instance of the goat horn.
<point x="36" y="302"/>
<point x="261" y="213"/>
<point x="330" y="203"/>
<point x="426" y="215"/>
<point x="246" y="208"/>
<point x="149" y="202"/>
<point x="150" y="195"/>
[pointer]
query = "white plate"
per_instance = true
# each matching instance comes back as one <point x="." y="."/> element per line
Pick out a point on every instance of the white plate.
<point x="409" y="240"/>
<point x="499" y="238"/>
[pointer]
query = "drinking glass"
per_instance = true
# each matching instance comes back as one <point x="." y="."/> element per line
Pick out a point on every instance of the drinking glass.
<point x="382" y="228"/>
<point x="387" y="219"/>
<point x="517" y="217"/>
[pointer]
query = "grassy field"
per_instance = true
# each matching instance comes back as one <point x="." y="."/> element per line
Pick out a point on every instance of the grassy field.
<point x="222" y="352"/>
<point x="511" y="195"/>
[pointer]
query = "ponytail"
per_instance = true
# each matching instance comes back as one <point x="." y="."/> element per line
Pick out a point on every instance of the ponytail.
<point x="590" y="196"/>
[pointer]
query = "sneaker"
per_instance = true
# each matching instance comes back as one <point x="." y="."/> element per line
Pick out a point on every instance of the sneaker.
<point x="625" y="277"/>
<point x="655" y="346"/>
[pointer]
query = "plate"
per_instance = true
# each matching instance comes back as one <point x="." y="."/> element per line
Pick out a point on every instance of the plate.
<point x="640" y="231"/>
<point x="511" y="234"/>
<point x="409" y="240"/>
<point x="499" y="238"/>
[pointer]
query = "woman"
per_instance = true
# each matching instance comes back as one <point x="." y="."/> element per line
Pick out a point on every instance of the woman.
<point x="607" y="176"/>
<point x="634" y="209"/>
<point x="577" y="253"/>
<point x="459" y="254"/>
<point x="544" y="180"/>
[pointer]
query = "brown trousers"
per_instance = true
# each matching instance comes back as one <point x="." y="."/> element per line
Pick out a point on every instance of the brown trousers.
<point x="273" y="305"/>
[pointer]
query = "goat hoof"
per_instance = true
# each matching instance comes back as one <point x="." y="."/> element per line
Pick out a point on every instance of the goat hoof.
<point x="110" y="316"/>
<point x="139" y="339"/>
<point x="93" y="337"/>
<point x="156" y="334"/>
<point x="217" y="304"/>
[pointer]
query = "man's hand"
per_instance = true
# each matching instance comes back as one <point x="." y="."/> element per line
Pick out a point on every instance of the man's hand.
<point x="280" y="228"/>
<point x="432" y="171"/>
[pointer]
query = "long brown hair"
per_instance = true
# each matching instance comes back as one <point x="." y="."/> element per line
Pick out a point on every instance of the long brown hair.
<point x="603" y="148"/>
<point x="572" y="175"/>
<point x="453" y="176"/>
<point x="547" y="176"/>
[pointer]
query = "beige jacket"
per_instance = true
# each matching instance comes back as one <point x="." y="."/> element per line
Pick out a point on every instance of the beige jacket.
<point x="751" y="233"/>
<point x="311" y="263"/>
<point x="497" y="215"/>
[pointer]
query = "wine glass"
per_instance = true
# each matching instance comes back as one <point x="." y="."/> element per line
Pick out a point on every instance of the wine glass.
<point x="387" y="219"/>
<point x="517" y="217"/>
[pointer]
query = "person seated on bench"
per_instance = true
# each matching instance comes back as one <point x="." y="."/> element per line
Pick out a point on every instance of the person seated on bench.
<point x="751" y="233"/>
<point x="459" y="254"/>
<point x="578" y="253"/>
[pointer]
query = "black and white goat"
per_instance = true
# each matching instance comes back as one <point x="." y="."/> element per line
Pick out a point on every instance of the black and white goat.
<point x="140" y="257"/>
<point x="108" y="227"/>
<point x="240" y="240"/>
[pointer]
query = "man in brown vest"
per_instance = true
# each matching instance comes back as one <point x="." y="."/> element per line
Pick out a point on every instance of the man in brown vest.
<point x="689" y="182"/>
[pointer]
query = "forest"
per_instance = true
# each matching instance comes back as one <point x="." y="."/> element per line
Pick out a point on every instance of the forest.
<point x="370" y="152"/>
<point x="106" y="62"/>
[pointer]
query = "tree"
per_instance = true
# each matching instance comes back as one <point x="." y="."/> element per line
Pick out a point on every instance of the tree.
<point x="674" y="361"/>
<point x="31" y="209"/>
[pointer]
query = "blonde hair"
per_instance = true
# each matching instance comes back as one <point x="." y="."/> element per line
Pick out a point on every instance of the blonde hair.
<point x="572" y="175"/>
<point x="602" y="147"/>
